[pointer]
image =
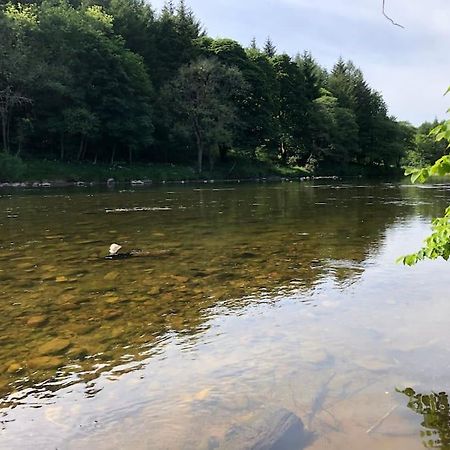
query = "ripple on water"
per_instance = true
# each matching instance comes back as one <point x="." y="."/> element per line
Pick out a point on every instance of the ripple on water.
<point x="264" y="305"/>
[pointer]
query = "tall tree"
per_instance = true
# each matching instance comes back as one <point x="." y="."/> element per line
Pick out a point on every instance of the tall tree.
<point x="201" y="96"/>
<point x="269" y="48"/>
<point x="19" y="67"/>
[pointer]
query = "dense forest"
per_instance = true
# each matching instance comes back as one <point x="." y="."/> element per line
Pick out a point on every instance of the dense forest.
<point x="114" y="80"/>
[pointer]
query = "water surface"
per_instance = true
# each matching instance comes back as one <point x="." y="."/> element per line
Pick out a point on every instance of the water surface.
<point x="249" y="298"/>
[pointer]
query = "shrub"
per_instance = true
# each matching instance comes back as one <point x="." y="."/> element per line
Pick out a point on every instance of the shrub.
<point x="11" y="167"/>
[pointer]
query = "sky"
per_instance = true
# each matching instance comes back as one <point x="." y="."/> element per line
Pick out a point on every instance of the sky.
<point x="410" y="66"/>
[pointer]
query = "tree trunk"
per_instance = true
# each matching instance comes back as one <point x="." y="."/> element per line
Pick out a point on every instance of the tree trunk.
<point x="283" y="152"/>
<point x="85" y="144"/>
<point x="199" y="140"/>
<point x="3" y="114"/>
<point x="199" y="156"/>
<point x="211" y="158"/>
<point x="223" y="150"/>
<point x="5" y="141"/>
<point x="61" y="147"/>
<point x="130" y="155"/>
<point x="113" y="154"/>
<point x="8" y="121"/>
<point x="80" y="150"/>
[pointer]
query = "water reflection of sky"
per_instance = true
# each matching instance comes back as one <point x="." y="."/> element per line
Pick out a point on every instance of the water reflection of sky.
<point x="331" y="340"/>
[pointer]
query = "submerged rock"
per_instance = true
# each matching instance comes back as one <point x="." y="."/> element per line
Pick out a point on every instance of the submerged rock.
<point x="56" y="345"/>
<point x="374" y="364"/>
<point x="154" y="290"/>
<point x="111" y="276"/>
<point x="45" y="362"/>
<point x="112" y="314"/>
<point x="269" y="430"/>
<point x="313" y="355"/>
<point x="14" y="367"/>
<point x="36" y="321"/>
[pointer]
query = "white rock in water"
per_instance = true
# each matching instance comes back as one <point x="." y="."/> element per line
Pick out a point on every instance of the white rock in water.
<point x="114" y="248"/>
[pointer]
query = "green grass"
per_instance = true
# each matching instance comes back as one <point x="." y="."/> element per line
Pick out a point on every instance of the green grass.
<point x="46" y="170"/>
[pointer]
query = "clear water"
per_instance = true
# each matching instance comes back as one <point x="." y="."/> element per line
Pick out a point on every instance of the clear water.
<point x="246" y="298"/>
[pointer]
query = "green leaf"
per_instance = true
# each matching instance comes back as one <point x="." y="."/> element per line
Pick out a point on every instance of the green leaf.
<point x="410" y="171"/>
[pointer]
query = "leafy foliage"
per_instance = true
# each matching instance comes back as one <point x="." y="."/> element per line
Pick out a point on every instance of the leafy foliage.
<point x="202" y="96"/>
<point x="11" y="167"/>
<point x="102" y="81"/>
<point x="437" y="245"/>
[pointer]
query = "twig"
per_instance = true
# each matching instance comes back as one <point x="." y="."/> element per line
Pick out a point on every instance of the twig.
<point x="389" y="18"/>
<point x="380" y="421"/>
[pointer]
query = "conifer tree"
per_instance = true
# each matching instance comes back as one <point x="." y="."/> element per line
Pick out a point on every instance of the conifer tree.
<point x="269" y="48"/>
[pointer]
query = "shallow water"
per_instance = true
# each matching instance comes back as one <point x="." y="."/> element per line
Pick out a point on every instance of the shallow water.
<point x="247" y="298"/>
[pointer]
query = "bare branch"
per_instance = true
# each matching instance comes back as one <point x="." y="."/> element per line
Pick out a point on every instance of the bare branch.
<point x="389" y="18"/>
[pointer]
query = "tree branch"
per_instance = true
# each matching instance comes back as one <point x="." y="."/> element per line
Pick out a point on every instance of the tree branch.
<point x="389" y="18"/>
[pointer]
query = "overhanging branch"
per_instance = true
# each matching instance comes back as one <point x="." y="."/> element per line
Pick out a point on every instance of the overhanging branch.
<point x="389" y="18"/>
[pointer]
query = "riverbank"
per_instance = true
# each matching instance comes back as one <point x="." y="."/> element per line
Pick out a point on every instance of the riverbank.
<point x="45" y="173"/>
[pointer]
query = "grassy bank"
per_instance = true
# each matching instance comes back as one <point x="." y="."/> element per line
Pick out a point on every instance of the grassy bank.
<point x="45" y="170"/>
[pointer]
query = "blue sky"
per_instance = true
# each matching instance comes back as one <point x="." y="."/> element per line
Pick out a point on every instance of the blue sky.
<point x="411" y="67"/>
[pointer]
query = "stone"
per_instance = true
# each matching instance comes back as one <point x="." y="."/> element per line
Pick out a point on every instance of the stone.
<point x="312" y="355"/>
<point x="78" y="353"/>
<point x="111" y="276"/>
<point x="45" y="362"/>
<point x="37" y="321"/>
<point x="69" y="307"/>
<point x="180" y="279"/>
<point x="55" y="346"/>
<point x="374" y="364"/>
<point x="154" y="290"/>
<point x="268" y="430"/>
<point x="14" y="367"/>
<point x="61" y="279"/>
<point x="110" y="315"/>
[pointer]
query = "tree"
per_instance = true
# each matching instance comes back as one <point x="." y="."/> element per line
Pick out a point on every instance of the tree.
<point x="18" y="67"/>
<point x="292" y="106"/>
<point x="425" y="149"/>
<point x="200" y="97"/>
<point x="269" y="48"/>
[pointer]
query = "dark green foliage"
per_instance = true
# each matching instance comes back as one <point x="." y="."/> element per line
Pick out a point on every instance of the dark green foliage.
<point x="269" y="48"/>
<point x="108" y="80"/>
<point x="11" y="167"/>
<point x="200" y="99"/>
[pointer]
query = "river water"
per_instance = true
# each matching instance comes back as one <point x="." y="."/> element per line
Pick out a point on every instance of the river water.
<point x="246" y="298"/>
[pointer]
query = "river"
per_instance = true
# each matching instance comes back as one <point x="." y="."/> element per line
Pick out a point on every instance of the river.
<point x="245" y="298"/>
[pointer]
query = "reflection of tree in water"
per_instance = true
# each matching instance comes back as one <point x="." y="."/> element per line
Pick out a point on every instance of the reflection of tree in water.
<point x="436" y="417"/>
<point x="68" y="316"/>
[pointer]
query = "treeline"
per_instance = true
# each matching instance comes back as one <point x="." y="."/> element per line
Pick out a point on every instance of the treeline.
<point x="112" y="80"/>
<point x="423" y="149"/>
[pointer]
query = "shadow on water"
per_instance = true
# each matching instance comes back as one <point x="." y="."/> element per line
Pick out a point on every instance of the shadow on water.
<point x="436" y="417"/>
